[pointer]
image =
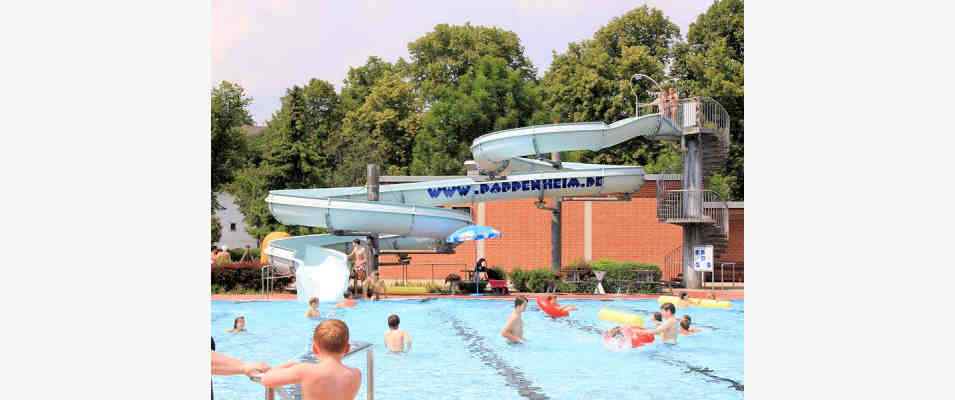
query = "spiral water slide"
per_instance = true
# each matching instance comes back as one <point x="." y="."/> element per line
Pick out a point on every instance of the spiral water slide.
<point x="409" y="217"/>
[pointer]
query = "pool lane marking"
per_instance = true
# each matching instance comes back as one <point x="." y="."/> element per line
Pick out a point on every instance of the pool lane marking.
<point x="699" y="370"/>
<point x="478" y="347"/>
<point x="706" y="371"/>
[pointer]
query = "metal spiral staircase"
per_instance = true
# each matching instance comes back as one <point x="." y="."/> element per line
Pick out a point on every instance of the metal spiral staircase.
<point x="705" y="123"/>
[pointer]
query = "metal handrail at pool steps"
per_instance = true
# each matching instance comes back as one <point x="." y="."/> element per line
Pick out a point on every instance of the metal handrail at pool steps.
<point x="356" y="347"/>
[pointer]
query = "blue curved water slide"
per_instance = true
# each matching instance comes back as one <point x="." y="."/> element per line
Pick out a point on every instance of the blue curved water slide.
<point x="409" y="217"/>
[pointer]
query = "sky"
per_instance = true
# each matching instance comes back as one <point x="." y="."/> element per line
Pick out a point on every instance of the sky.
<point x="267" y="46"/>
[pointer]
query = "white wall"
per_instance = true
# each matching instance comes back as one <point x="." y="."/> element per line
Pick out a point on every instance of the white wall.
<point x="231" y="215"/>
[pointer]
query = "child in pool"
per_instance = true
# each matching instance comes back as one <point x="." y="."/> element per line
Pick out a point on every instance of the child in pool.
<point x="238" y="325"/>
<point x="327" y="379"/>
<point x="685" y="328"/>
<point x="396" y="340"/>
<point x="348" y="302"/>
<point x="514" y="327"/>
<point x="312" y="308"/>
<point x="552" y="299"/>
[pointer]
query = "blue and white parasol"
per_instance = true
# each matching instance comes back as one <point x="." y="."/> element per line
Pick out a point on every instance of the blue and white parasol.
<point x="473" y="232"/>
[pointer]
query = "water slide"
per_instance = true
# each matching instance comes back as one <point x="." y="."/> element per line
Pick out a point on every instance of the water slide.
<point x="409" y="217"/>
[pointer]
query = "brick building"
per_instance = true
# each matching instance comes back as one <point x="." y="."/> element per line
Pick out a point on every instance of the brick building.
<point x="590" y="230"/>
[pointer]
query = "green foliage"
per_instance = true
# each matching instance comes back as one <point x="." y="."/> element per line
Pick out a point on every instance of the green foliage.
<point x="711" y="64"/>
<point x="245" y="276"/>
<point x="490" y="96"/>
<point x="591" y="80"/>
<point x="533" y="280"/>
<point x="380" y="130"/>
<point x="668" y="161"/>
<point x="721" y="184"/>
<point x="620" y="274"/>
<point x="236" y="254"/>
<point x="216" y="229"/>
<point x="229" y="113"/>
<point x="441" y="57"/>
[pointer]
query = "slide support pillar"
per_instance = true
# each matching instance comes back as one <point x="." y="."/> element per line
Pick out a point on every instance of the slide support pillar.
<point x="692" y="233"/>
<point x="373" y="195"/>
<point x="555" y="222"/>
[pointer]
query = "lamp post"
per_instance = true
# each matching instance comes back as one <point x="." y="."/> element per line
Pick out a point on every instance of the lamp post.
<point x="636" y="95"/>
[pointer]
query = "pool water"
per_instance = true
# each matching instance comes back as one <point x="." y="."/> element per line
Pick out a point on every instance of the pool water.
<point x="458" y="352"/>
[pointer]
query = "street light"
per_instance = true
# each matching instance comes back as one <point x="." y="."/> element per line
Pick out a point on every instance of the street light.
<point x="636" y="95"/>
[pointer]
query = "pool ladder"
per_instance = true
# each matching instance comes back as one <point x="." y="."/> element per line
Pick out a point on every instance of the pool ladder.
<point x="356" y="347"/>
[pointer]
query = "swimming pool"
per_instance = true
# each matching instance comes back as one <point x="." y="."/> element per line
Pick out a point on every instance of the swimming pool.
<point x="458" y="352"/>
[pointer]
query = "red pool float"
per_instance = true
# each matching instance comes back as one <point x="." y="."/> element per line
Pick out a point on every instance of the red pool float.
<point x="550" y="309"/>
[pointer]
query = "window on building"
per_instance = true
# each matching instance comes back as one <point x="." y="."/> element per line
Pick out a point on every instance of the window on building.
<point x="232" y="227"/>
<point x="463" y="209"/>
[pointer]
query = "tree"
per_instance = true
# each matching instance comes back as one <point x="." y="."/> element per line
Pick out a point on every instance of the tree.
<point x="441" y="57"/>
<point x="229" y="114"/>
<point x="292" y="159"/>
<point x="381" y="130"/>
<point x="711" y="64"/>
<point x="591" y="81"/>
<point x="491" y="96"/>
<point x="216" y="229"/>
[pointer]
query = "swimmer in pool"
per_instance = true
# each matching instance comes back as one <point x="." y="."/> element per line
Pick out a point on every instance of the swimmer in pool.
<point x="238" y="325"/>
<point x="552" y="299"/>
<point x="397" y="340"/>
<point x="657" y="319"/>
<point x="312" y="308"/>
<point x="668" y="329"/>
<point x="348" y="302"/>
<point x="514" y="328"/>
<point x="685" y="328"/>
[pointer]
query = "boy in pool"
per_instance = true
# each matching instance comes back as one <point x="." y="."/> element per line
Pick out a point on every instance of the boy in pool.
<point x="685" y="328"/>
<point x="312" y="308"/>
<point x="327" y="379"/>
<point x="667" y="329"/>
<point x="396" y="340"/>
<point x="514" y="328"/>
<point x="552" y="299"/>
<point x="348" y="302"/>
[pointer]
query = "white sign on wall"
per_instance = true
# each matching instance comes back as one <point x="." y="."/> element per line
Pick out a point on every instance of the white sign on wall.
<point x="703" y="258"/>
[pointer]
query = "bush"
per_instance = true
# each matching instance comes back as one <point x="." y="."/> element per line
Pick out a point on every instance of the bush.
<point x="242" y="276"/>
<point x="518" y="279"/>
<point x="533" y="281"/>
<point x="620" y="275"/>
<point x="236" y="254"/>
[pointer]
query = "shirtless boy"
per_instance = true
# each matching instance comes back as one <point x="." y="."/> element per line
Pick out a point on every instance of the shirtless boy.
<point x="668" y="329"/>
<point x="396" y="340"/>
<point x="329" y="378"/>
<point x="514" y="328"/>
<point x="312" y="308"/>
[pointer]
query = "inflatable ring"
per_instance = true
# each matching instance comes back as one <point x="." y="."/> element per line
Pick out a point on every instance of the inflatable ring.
<point x="550" y="309"/>
<point x="620" y="317"/>
<point x="702" y="303"/>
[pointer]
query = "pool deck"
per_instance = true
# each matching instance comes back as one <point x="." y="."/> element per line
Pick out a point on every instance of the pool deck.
<point x="695" y="293"/>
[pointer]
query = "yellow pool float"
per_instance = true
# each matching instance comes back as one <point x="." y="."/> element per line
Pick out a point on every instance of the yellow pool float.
<point x="691" y="302"/>
<point x="620" y="317"/>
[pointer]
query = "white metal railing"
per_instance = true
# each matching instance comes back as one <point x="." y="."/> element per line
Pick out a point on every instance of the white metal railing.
<point x="693" y="206"/>
<point x="356" y="347"/>
<point x="693" y="115"/>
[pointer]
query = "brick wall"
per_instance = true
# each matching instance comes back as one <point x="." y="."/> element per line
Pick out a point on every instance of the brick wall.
<point x="621" y="231"/>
